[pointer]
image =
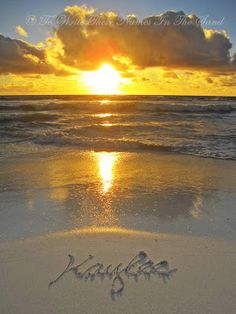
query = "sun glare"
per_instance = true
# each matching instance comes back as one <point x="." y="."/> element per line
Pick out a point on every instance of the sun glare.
<point x="106" y="80"/>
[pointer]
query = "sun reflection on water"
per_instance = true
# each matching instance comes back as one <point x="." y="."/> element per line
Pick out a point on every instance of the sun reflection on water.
<point x="103" y="115"/>
<point x="104" y="102"/>
<point x="107" y="124"/>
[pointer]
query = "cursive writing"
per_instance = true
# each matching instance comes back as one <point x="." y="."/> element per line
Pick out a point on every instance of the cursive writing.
<point x="139" y="265"/>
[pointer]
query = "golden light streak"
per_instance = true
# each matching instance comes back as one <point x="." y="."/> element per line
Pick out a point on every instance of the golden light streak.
<point x="103" y="115"/>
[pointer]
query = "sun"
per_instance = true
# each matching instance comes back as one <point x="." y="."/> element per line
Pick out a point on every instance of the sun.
<point x="105" y="80"/>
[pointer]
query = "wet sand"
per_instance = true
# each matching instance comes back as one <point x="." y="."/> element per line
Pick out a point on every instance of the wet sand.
<point x="55" y="189"/>
<point x="176" y="209"/>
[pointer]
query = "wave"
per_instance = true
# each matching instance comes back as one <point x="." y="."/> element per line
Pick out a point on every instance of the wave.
<point x="27" y="117"/>
<point x="196" y="126"/>
<point x="131" y="146"/>
<point x="127" y="106"/>
<point x="101" y="144"/>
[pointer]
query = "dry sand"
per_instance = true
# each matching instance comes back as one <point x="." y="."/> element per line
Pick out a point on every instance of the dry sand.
<point x="204" y="282"/>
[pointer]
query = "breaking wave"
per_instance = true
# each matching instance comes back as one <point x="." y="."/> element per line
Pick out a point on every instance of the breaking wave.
<point x="131" y="106"/>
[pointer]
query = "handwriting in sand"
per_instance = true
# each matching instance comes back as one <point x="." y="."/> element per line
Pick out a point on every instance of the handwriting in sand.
<point x="139" y="265"/>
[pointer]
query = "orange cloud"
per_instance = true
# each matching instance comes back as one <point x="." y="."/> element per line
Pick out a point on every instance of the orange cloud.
<point x="20" y="57"/>
<point x="21" y="31"/>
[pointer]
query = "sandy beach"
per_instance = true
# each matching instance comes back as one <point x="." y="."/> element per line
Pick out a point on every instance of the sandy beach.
<point x="204" y="280"/>
<point x="57" y="202"/>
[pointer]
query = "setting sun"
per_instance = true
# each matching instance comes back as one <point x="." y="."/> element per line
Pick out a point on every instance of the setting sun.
<point x="105" y="80"/>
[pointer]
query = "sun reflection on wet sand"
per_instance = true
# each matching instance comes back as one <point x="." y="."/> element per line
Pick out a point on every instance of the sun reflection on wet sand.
<point x="106" y="162"/>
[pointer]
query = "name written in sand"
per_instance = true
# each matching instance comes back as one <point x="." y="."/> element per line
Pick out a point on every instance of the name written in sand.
<point x="139" y="265"/>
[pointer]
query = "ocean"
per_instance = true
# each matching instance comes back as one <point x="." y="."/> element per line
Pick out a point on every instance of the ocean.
<point x="144" y="163"/>
<point x="200" y="126"/>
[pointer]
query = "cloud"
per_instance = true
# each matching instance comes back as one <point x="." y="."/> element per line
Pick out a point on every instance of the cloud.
<point x="171" y="75"/>
<point x="156" y="41"/>
<point x="20" y="57"/>
<point x="21" y="31"/>
<point x="209" y="80"/>
<point x="21" y="88"/>
<point x="228" y="81"/>
<point x="85" y="38"/>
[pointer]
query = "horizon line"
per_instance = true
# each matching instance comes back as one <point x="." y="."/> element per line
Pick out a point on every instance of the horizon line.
<point x="115" y="95"/>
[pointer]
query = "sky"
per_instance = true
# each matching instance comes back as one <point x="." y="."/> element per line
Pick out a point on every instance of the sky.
<point x="137" y="59"/>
